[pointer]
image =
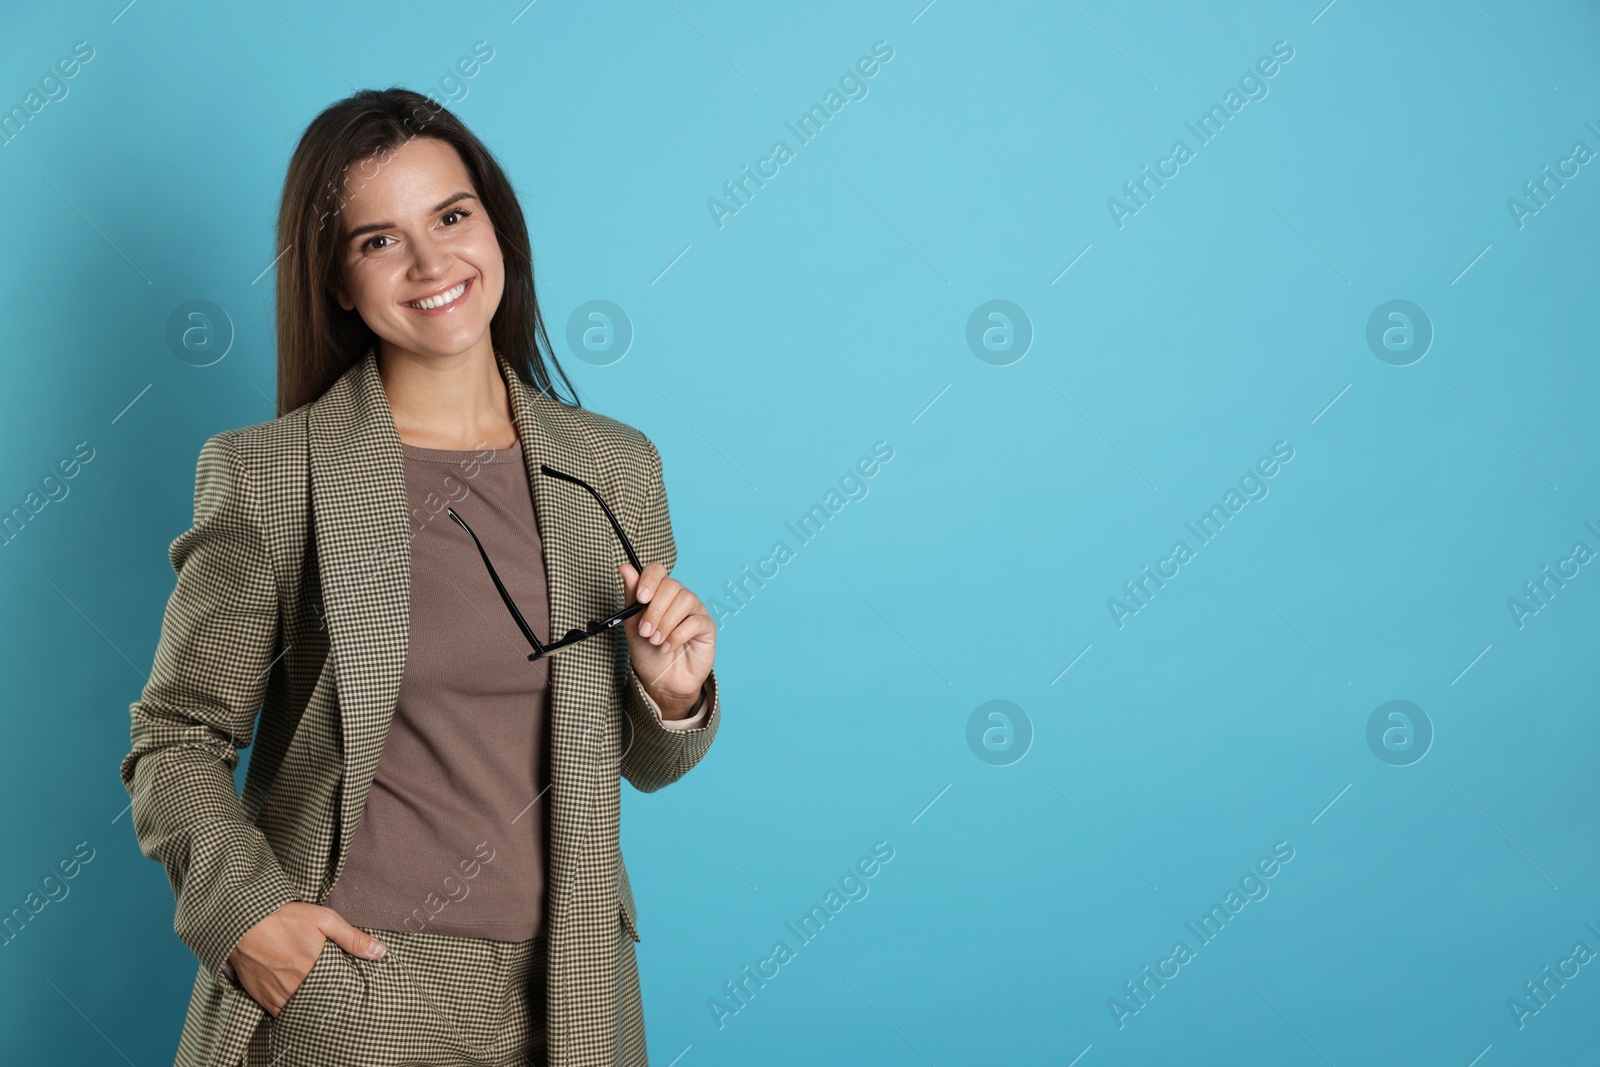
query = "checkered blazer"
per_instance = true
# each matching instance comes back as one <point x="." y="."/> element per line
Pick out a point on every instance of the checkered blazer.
<point x="307" y="623"/>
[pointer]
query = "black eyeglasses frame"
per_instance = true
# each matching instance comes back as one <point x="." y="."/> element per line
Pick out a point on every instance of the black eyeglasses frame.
<point x="573" y="636"/>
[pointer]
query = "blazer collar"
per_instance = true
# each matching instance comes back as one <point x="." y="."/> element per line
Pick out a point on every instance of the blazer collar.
<point x="362" y="530"/>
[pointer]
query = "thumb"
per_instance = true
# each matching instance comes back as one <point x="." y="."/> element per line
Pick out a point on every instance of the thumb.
<point x="352" y="939"/>
<point x="630" y="581"/>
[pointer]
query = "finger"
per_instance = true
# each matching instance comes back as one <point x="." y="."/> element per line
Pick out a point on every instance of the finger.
<point x="684" y="604"/>
<point x="672" y="657"/>
<point x="661" y="603"/>
<point x="352" y="939"/>
<point x="681" y="645"/>
<point x="650" y="580"/>
<point x="693" y="626"/>
<point x="630" y="580"/>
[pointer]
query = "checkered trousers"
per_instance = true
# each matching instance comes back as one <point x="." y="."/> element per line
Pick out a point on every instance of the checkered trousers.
<point x="432" y="999"/>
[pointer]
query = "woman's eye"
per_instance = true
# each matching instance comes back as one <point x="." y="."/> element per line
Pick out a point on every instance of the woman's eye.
<point x="369" y="246"/>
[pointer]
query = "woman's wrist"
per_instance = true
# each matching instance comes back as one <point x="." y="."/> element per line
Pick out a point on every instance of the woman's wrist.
<point x="672" y="707"/>
<point x="676" y="709"/>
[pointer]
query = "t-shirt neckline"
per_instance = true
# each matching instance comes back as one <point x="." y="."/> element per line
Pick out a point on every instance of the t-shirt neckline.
<point x="457" y="455"/>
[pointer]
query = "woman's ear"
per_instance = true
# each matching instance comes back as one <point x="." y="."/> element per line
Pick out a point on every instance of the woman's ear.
<point x="343" y="297"/>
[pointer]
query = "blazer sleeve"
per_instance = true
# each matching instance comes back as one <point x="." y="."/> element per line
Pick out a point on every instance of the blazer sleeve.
<point x="694" y="720"/>
<point x="218" y="642"/>
<point x="660" y="754"/>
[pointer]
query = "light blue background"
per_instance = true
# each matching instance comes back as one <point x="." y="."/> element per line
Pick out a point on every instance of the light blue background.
<point x="1228" y="314"/>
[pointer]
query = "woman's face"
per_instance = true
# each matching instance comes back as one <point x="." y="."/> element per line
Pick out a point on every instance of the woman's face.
<point x="412" y="229"/>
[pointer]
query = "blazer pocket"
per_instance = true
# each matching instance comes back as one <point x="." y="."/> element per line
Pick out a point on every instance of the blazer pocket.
<point x="630" y="917"/>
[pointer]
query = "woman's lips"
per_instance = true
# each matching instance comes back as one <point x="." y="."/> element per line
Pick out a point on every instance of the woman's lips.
<point x="444" y="309"/>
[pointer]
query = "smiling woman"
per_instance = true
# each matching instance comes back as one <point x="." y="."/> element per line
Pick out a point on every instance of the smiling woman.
<point x="405" y="739"/>
<point x="419" y="162"/>
<point x="431" y="277"/>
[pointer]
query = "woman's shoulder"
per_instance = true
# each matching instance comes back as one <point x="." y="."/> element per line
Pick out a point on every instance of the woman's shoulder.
<point x="262" y="450"/>
<point x="601" y="432"/>
<point x="282" y="435"/>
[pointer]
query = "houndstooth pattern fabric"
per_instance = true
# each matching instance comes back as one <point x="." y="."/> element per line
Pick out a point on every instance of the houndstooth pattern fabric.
<point x="432" y="999"/>
<point x="293" y="600"/>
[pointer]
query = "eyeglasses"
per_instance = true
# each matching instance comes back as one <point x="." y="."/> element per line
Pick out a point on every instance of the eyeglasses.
<point x="572" y="637"/>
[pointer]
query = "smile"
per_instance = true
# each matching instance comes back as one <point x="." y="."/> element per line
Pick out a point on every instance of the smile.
<point x="440" y="301"/>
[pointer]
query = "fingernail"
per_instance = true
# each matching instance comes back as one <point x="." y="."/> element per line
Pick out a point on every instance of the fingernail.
<point x="377" y="950"/>
<point x="644" y="596"/>
<point x="644" y="629"/>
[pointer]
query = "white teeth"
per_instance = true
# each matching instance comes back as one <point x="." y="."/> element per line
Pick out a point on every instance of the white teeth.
<point x="441" y="300"/>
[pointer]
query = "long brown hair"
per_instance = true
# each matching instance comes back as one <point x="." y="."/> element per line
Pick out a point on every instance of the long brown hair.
<point x="317" y="339"/>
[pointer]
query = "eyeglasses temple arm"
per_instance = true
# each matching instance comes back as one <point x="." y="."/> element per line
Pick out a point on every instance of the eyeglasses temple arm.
<point x="510" y="605"/>
<point x="627" y="547"/>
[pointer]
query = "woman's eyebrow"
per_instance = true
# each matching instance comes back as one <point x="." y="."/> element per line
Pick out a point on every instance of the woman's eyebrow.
<point x="373" y="227"/>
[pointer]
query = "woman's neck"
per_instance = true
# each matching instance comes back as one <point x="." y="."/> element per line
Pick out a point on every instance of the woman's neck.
<point x="450" y="402"/>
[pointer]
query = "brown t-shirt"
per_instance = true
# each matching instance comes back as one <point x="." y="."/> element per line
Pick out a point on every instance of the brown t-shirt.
<point x="455" y="834"/>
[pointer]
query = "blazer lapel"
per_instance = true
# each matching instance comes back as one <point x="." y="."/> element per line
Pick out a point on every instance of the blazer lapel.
<point x="362" y="528"/>
<point x="580" y="558"/>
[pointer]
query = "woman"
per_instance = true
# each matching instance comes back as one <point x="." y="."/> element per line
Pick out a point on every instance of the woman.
<point x="424" y="864"/>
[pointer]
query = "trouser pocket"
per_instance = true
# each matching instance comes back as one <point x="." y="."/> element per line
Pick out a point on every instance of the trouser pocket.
<point x="312" y="1026"/>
